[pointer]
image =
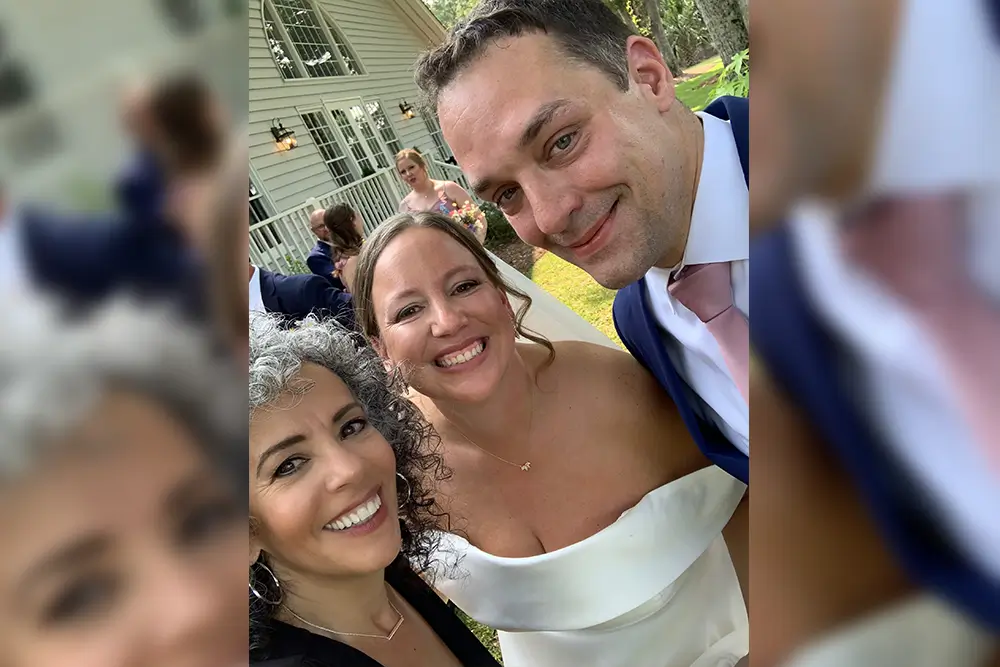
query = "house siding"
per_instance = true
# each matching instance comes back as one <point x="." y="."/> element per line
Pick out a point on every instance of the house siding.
<point x="387" y="42"/>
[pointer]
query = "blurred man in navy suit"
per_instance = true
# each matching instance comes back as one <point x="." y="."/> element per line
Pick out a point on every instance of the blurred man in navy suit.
<point x="298" y="296"/>
<point x="877" y="194"/>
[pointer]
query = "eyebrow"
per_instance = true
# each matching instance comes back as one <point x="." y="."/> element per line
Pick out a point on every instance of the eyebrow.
<point x="444" y="278"/>
<point x="297" y="438"/>
<point x="83" y="549"/>
<point x="543" y="116"/>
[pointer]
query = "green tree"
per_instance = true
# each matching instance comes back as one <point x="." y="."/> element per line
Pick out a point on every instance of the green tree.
<point x="724" y="20"/>
<point x="450" y="12"/>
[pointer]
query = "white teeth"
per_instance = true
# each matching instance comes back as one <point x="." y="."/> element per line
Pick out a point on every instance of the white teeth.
<point x="462" y="357"/>
<point x="358" y="515"/>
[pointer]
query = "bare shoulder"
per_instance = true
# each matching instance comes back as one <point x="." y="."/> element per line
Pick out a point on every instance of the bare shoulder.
<point x="618" y="377"/>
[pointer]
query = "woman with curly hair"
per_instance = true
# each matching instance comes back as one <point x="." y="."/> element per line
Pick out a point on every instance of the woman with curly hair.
<point x="340" y="513"/>
<point x="121" y="490"/>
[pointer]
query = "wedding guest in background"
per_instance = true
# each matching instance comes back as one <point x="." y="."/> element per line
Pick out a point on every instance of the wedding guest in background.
<point x="568" y="121"/>
<point x="575" y="482"/>
<point x="321" y="257"/>
<point x="342" y="510"/>
<point x="427" y="194"/>
<point x="346" y="233"/>
<point x="877" y="344"/>
<point x="297" y="296"/>
<point x="121" y="509"/>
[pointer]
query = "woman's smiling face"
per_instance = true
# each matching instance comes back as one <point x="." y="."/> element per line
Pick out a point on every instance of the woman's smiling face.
<point x="119" y="549"/>
<point x="322" y="482"/>
<point x="440" y="317"/>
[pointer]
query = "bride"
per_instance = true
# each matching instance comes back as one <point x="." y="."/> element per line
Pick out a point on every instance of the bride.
<point x="585" y="524"/>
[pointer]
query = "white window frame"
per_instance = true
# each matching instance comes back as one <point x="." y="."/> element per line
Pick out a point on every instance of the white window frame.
<point x="336" y="41"/>
<point x="353" y="168"/>
<point x="433" y="127"/>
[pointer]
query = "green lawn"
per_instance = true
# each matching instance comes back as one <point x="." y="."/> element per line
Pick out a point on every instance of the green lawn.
<point x="696" y="92"/>
<point x="576" y="289"/>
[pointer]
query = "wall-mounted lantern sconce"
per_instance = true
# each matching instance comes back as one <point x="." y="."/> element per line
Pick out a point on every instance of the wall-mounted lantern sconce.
<point x="284" y="140"/>
<point x="406" y="110"/>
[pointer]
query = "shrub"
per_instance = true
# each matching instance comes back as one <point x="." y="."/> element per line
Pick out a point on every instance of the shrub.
<point x="735" y="78"/>
<point x="498" y="231"/>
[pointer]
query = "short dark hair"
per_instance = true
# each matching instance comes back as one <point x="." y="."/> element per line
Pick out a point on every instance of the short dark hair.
<point x="587" y="31"/>
<point x="339" y="221"/>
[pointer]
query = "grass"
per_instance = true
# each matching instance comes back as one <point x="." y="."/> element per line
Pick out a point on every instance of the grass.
<point x="574" y="287"/>
<point x="484" y="634"/>
<point x="696" y="92"/>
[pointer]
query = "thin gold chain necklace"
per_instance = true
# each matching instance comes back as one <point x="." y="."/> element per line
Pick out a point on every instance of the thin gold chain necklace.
<point x="526" y="466"/>
<point x="354" y="634"/>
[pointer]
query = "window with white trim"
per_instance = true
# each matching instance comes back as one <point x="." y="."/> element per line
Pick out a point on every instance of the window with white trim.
<point x="329" y="147"/>
<point x="384" y="127"/>
<point x="353" y="142"/>
<point x="305" y="42"/>
<point x="377" y="150"/>
<point x="434" y="129"/>
<point x="260" y="210"/>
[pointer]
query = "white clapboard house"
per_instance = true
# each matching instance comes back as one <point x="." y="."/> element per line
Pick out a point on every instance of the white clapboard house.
<point x="338" y="74"/>
<point x="62" y="67"/>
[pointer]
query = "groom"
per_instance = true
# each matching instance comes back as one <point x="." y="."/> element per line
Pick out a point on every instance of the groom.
<point x="569" y="123"/>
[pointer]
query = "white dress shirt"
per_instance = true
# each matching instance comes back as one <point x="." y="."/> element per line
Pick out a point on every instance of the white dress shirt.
<point x="939" y="134"/>
<point x="719" y="233"/>
<point x="14" y="274"/>
<point x="256" y="299"/>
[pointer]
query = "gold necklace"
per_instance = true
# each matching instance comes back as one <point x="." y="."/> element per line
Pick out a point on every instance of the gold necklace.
<point x="354" y="634"/>
<point x="526" y="466"/>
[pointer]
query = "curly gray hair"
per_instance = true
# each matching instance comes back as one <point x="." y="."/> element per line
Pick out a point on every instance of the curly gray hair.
<point x="54" y="369"/>
<point x="276" y="358"/>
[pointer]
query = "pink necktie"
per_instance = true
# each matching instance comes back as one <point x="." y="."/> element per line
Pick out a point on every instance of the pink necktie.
<point x="706" y="290"/>
<point x="915" y="247"/>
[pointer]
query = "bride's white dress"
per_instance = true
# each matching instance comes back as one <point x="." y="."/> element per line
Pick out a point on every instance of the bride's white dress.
<point x="657" y="588"/>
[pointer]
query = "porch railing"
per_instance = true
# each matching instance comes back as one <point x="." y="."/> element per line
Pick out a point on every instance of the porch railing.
<point x="281" y="243"/>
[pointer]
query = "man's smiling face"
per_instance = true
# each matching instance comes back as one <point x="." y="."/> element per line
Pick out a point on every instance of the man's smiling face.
<point x="580" y="167"/>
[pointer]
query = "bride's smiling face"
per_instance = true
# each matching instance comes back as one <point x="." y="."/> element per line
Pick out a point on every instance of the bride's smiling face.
<point x="440" y="317"/>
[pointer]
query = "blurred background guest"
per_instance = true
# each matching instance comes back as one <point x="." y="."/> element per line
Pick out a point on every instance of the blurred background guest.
<point x="321" y="258"/>
<point x="121" y="506"/>
<point x="346" y="233"/>
<point x="876" y="170"/>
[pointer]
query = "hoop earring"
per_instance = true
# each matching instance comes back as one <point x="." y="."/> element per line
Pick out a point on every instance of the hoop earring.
<point x="409" y="491"/>
<point x="277" y="584"/>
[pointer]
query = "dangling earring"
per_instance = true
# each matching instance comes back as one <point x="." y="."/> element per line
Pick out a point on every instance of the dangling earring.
<point x="409" y="490"/>
<point x="277" y="585"/>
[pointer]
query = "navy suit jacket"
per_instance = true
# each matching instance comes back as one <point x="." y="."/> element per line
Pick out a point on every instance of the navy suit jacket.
<point x="801" y="355"/>
<point x="86" y="258"/>
<point x="641" y="333"/>
<point x="142" y="189"/>
<point x="320" y="262"/>
<point x="298" y="296"/>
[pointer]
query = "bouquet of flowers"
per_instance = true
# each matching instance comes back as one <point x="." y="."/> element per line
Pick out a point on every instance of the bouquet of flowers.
<point x="469" y="216"/>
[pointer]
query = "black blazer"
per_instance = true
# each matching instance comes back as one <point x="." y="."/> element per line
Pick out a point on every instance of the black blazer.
<point x="288" y="646"/>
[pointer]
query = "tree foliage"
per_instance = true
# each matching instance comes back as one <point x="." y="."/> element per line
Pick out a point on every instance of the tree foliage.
<point x="450" y="12"/>
<point x="685" y="39"/>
